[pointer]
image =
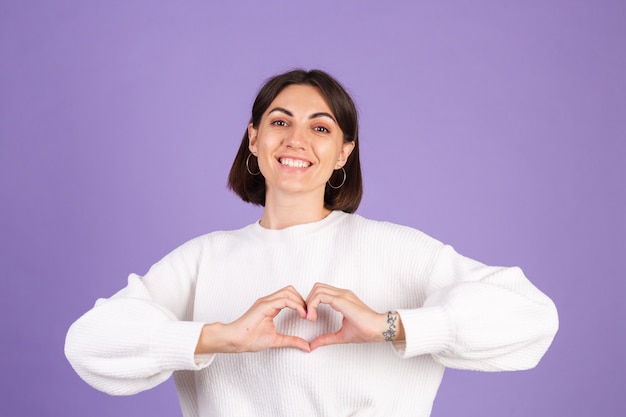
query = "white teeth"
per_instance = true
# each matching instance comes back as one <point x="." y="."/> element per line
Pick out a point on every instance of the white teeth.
<point x="294" y="163"/>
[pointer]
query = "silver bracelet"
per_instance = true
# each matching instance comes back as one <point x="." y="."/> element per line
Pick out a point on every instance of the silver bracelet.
<point x="392" y="316"/>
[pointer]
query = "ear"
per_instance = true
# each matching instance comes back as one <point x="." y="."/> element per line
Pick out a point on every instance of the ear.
<point x="346" y="150"/>
<point x="252" y="137"/>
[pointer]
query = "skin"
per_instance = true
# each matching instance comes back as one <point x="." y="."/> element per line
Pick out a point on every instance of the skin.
<point x="300" y="126"/>
<point x="298" y="144"/>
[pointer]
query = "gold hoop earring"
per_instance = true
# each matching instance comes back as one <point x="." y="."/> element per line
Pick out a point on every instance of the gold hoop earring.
<point x="336" y="187"/>
<point x="248" y="166"/>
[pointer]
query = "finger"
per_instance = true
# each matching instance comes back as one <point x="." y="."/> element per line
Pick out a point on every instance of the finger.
<point x="283" y="292"/>
<point x="311" y="308"/>
<point x="324" y="289"/>
<point x="273" y="307"/>
<point x="283" y="297"/>
<point x="313" y="300"/>
<point x="314" y="303"/>
<point x="295" y="300"/>
<point x="289" y="289"/>
<point x="284" y="341"/>
<point x="335" y="299"/>
<point x="318" y="287"/>
<point x="326" y="339"/>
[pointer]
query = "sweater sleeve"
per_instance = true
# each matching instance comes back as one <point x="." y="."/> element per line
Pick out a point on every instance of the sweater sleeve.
<point x="479" y="317"/>
<point x="136" y="339"/>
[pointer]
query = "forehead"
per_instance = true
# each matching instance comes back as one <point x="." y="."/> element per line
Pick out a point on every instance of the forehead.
<point x="305" y="98"/>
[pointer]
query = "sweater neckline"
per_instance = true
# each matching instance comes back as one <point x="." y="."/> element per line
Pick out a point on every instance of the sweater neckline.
<point x="299" y="229"/>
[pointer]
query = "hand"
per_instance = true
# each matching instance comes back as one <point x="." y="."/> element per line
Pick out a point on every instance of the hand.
<point x="255" y="330"/>
<point x="360" y="323"/>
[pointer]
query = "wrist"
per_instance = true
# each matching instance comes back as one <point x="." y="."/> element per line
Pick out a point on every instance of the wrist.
<point x="394" y="331"/>
<point x="213" y="339"/>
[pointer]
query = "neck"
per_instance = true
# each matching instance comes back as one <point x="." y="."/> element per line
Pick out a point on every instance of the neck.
<point x="283" y="212"/>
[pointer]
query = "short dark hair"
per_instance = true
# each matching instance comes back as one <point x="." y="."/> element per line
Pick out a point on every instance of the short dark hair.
<point x="251" y="188"/>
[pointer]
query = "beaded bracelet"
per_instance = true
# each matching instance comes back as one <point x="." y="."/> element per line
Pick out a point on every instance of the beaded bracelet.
<point x="392" y="316"/>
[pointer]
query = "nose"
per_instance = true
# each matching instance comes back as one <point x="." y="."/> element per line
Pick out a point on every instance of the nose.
<point x="296" y="138"/>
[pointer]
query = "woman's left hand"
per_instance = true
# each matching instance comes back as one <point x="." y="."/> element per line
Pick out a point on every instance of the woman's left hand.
<point x="360" y="323"/>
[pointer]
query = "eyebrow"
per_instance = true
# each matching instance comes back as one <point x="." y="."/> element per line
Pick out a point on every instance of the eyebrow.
<point x="313" y="116"/>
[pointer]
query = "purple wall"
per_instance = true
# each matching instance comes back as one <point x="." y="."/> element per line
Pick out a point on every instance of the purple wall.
<point x="497" y="127"/>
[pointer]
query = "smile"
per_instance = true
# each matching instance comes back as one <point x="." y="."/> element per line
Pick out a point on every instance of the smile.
<point x="294" y="163"/>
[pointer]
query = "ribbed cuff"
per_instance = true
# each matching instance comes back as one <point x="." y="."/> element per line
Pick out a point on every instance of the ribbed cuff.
<point x="426" y="331"/>
<point x="173" y="344"/>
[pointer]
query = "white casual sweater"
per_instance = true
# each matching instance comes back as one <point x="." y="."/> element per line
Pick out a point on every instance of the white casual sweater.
<point x="456" y="312"/>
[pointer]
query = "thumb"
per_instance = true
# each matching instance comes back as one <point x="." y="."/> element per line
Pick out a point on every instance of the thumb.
<point x="283" y="341"/>
<point x="326" y="339"/>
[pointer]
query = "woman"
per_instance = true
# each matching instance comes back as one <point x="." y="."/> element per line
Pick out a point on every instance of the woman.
<point x="362" y="317"/>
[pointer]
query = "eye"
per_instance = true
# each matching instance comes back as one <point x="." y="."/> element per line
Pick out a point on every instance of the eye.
<point x="321" y="129"/>
<point x="279" y="122"/>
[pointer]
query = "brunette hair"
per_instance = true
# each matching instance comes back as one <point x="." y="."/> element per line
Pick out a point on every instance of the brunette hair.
<point x="251" y="188"/>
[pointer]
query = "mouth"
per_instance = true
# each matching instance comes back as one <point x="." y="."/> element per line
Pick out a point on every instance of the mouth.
<point x="294" y="163"/>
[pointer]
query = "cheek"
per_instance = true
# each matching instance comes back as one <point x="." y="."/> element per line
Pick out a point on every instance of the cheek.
<point x="263" y="145"/>
<point x="337" y="152"/>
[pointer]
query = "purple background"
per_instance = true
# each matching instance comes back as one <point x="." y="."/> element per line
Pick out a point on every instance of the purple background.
<point x="495" y="126"/>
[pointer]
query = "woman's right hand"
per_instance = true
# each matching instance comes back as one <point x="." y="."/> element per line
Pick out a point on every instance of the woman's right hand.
<point x="255" y="330"/>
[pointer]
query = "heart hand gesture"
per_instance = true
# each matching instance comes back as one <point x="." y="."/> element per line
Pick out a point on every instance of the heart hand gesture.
<point x="255" y="330"/>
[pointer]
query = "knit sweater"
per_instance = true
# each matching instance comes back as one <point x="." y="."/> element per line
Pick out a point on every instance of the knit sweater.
<point x="456" y="312"/>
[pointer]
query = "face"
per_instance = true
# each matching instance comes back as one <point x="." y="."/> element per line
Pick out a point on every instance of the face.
<point x="298" y="143"/>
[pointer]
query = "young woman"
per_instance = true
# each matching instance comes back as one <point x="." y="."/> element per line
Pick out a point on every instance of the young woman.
<point x="312" y="310"/>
